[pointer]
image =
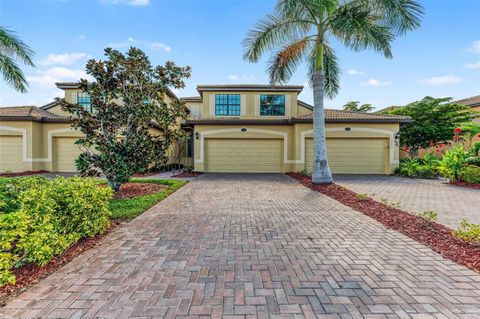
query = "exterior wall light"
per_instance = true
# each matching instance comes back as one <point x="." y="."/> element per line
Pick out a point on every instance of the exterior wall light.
<point x="197" y="135"/>
<point x="243" y="129"/>
<point x="348" y="129"/>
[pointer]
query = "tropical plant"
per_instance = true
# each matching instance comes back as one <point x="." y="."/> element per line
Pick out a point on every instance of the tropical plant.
<point x="452" y="163"/>
<point x="130" y="126"/>
<point x="469" y="232"/>
<point x="305" y="29"/>
<point x="470" y="174"/>
<point x="417" y="168"/>
<point x="434" y="122"/>
<point x="13" y="48"/>
<point x="356" y="107"/>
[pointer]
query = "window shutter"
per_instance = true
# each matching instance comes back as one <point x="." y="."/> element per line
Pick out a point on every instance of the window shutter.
<point x="257" y="105"/>
<point x="243" y="105"/>
<point x="288" y="105"/>
<point x="212" y="104"/>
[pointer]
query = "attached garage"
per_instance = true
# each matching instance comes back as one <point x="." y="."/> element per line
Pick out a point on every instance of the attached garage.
<point x="65" y="154"/>
<point x="352" y="155"/>
<point x="11" y="148"/>
<point x="244" y="155"/>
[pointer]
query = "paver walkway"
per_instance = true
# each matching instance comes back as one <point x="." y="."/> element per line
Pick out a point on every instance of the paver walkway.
<point x="452" y="203"/>
<point x="254" y="246"/>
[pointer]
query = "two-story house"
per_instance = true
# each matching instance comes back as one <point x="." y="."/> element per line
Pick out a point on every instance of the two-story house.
<point x="234" y="128"/>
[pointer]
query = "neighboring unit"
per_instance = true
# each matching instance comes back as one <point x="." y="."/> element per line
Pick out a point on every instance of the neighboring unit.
<point x="234" y="128"/>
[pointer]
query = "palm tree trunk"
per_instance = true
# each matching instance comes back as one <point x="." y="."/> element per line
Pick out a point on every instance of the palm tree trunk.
<point x="321" y="171"/>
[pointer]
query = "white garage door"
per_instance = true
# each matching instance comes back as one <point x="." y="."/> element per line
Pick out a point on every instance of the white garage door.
<point x="244" y="155"/>
<point x="352" y="156"/>
<point x="66" y="152"/>
<point x="11" y="150"/>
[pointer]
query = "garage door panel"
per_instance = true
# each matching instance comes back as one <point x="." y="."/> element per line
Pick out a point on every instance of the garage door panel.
<point x="244" y="155"/>
<point x="66" y="153"/>
<point x="11" y="153"/>
<point x="352" y="156"/>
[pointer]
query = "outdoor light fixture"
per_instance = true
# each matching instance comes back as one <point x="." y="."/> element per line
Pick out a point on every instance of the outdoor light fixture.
<point x="243" y="129"/>
<point x="197" y="135"/>
<point x="348" y="129"/>
<point x="397" y="136"/>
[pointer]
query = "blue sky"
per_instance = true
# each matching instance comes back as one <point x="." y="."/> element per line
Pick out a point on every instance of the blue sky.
<point x="440" y="59"/>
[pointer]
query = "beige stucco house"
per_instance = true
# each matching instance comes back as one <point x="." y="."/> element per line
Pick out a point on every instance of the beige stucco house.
<point x="234" y="128"/>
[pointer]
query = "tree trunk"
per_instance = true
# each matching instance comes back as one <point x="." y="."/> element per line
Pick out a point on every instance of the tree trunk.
<point x="113" y="183"/>
<point x="321" y="171"/>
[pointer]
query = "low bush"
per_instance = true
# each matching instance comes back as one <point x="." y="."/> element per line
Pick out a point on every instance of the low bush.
<point x="473" y="161"/>
<point x="416" y="168"/>
<point x="470" y="174"/>
<point x="428" y="218"/>
<point x="468" y="232"/>
<point x="41" y="218"/>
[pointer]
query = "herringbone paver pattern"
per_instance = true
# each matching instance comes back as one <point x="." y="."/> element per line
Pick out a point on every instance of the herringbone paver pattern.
<point x="254" y="246"/>
<point x="452" y="203"/>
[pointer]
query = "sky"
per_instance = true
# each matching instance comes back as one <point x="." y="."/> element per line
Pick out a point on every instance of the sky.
<point x="441" y="59"/>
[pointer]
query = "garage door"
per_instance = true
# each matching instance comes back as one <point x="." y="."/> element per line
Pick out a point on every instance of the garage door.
<point x="244" y="155"/>
<point x="11" y="149"/>
<point x="352" y="156"/>
<point x="66" y="152"/>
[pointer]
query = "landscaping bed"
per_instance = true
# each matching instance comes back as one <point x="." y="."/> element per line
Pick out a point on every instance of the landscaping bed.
<point x="436" y="236"/>
<point x="465" y="184"/>
<point x="81" y="195"/>
<point x="25" y="173"/>
<point x="188" y="174"/>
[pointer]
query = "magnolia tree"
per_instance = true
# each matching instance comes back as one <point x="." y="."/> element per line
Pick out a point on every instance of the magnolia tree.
<point x="129" y="126"/>
<point x="435" y="122"/>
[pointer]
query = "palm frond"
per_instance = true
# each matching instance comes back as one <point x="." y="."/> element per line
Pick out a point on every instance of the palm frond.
<point x="12" y="45"/>
<point x="284" y="62"/>
<point x="12" y="74"/>
<point x="331" y="68"/>
<point x="273" y="31"/>
<point x="400" y="16"/>
<point x="359" y="28"/>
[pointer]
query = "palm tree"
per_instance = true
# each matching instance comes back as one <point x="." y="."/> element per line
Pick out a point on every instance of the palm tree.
<point x="355" y="106"/>
<point x="304" y="29"/>
<point x="12" y="48"/>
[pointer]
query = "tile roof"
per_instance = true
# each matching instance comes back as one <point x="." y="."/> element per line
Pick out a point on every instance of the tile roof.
<point x="191" y="98"/>
<point x="351" y="116"/>
<point x="250" y="87"/>
<point x="470" y="101"/>
<point x="331" y="116"/>
<point x="305" y="104"/>
<point x="29" y="113"/>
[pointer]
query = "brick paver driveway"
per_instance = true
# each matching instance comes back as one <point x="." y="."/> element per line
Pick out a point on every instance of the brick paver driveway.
<point x="254" y="246"/>
<point x="452" y="203"/>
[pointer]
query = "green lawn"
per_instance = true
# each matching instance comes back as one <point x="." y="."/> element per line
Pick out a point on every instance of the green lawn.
<point x="130" y="208"/>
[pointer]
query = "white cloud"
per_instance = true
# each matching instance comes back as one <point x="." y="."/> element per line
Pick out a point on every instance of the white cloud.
<point x="355" y="72"/>
<point x="63" y="59"/>
<point x="135" y="3"/>
<point x="475" y="48"/>
<point x="132" y="41"/>
<point x="82" y="37"/>
<point x="475" y="65"/>
<point x="444" y="79"/>
<point x="48" y="77"/>
<point x="160" y="46"/>
<point x="243" y="77"/>
<point x="375" y="82"/>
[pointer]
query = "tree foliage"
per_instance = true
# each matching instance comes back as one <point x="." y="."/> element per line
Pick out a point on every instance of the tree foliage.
<point x="356" y="107"/>
<point x="13" y="48"/>
<point x="434" y="122"/>
<point x="131" y="125"/>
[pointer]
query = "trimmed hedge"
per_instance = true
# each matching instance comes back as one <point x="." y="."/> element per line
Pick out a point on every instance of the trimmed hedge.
<point x="41" y="218"/>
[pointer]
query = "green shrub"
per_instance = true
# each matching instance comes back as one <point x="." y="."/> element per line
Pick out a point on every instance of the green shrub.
<point x="414" y="167"/>
<point x="475" y="149"/>
<point x="473" y="161"/>
<point x="452" y="163"/>
<point x="470" y="174"/>
<point x="362" y="196"/>
<point x="468" y="232"/>
<point x="428" y="217"/>
<point x="40" y="218"/>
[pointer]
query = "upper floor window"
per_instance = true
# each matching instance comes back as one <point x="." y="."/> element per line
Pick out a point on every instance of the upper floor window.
<point x="84" y="100"/>
<point x="272" y="105"/>
<point x="227" y="104"/>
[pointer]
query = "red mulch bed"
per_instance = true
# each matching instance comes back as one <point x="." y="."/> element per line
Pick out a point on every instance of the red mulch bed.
<point x="31" y="274"/>
<point x="191" y="174"/>
<point x="438" y="237"/>
<point x="25" y="173"/>
<point x="130" y="190"/>
<point x="465" y="184"/>
<point x="144" y="174"/>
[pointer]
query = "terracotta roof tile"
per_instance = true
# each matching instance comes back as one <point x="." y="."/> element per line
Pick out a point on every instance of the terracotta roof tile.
<point x="346" y="116"/>
<point x="471" y="101"/>
<point x="28" y="113"/>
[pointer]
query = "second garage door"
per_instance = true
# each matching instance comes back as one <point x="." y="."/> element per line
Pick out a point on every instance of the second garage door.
<point x="11" y="148"/>
<point x="66" y="153"/>
<point x="244" y="155"/>
<point x="352" y="156"/>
